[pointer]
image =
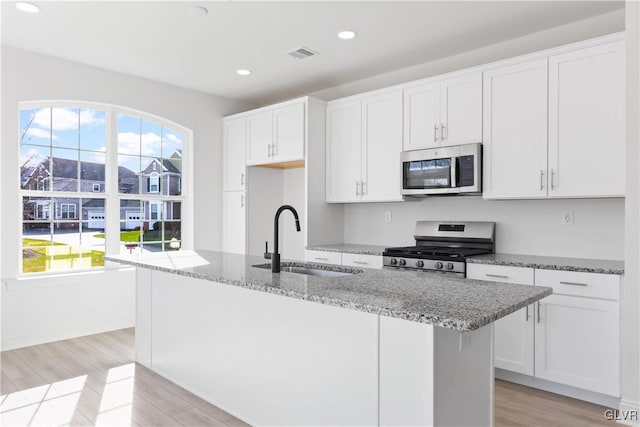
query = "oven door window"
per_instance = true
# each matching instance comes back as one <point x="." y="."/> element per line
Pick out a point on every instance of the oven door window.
<point x="421" y="174"/>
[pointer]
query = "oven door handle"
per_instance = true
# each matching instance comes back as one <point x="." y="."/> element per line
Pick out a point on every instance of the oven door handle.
<point x="454" y="172"/>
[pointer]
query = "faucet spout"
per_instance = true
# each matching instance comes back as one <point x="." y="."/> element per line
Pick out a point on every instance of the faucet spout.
<point x="275" y="256"/>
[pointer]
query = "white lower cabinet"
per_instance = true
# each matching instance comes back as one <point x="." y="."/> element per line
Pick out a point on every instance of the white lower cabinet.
<point x="324" y="257"/>
<point x="513" y="334"/>
<point x="346" y="259"/>
<point x="571" y="337"/>
<point x="361" y="260"/>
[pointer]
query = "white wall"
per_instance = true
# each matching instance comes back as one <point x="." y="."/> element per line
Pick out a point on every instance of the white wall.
<point x="523" y="227"/>
<point x="631" y="311"/>
<point x="27" y="76"/>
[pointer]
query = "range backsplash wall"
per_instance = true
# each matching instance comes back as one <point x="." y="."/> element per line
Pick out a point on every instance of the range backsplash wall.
<point x="522" y="226"/>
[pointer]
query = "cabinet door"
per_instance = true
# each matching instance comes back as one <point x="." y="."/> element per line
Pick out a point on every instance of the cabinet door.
<point x="578" y="343"/>
<point x="515" y="131"/>
<point x="344" y="151"/>
<point x="234" y="222"/>
<point x="259" y="138"/>
<point x="422" y="117"/>
<point x="234" y="154"/>
<point x="461" y="109"/>
<point x="586" y="122"/>
<point x="513" y="334"/>
<point x="289" y="133"/>
<point x="381" y="147"/>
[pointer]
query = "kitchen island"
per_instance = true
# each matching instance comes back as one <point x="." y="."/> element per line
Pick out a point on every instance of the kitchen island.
<point x="377" y="347"/>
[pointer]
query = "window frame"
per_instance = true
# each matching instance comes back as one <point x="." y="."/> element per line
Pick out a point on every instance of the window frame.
<point x="111" y="195"/>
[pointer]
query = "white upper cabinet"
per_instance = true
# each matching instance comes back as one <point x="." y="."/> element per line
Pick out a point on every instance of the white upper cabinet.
<point x="289" y="133"/>
<point x="234" y="164"/>
<point x="422" y="116"/>
<point x="587" y="122"/>
<point x="344" y="151"/>
<point x="443" y="112"/>
<point x="259" y="137"/>
<point x="276" y="135"/>
<point x="461" y="110"/>
<point x="515" y="131"/>
<point x="382" y="144"/>
<point x="364" y="141"/>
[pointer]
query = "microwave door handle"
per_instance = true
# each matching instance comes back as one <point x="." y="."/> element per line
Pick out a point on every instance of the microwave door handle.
<point x="454" y="172"/>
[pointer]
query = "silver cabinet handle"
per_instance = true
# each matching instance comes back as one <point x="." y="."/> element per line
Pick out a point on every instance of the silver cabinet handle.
<point x="553" y="179"/>
<point x="538" y="311"/>
<point x="274" y="149"/>
<point x="435" y="132"/>
<point x="269" y="150"/>
<point x="574" y="283"/>
<point x="357" y="188"/>
<point x="497" y="275"/>
<point x="321" y="259"/>
<point x="363" y="187"/>
<point x="242" y="200"/>
<point x="361" y="262"/>
<point x="526" y="319"/>
<point x="442" y="137"/>
<point x="241" y="179"/>
<point x="541" y="179"/>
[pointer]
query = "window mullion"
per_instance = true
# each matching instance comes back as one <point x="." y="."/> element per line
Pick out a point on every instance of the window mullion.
<point x="112" y="221"/>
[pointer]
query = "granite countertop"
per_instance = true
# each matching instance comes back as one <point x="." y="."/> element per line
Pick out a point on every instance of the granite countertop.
<point x="350" y="248"/>
<point x="587" y="265"/>
<point x="441" y="300"/>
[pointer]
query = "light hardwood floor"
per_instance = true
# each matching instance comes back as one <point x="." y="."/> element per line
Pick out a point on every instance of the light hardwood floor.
<point x="93" y="380"/>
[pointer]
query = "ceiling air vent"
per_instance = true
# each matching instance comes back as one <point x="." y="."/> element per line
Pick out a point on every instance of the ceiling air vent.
<point x="302" y="53"/>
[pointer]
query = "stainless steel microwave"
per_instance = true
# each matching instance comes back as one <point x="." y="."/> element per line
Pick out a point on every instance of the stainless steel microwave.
<point x="443" y="170"/>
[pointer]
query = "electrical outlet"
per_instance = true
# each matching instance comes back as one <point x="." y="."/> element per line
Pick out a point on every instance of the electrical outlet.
<point x="387" y="216"/>
<point x="567" y="218"/>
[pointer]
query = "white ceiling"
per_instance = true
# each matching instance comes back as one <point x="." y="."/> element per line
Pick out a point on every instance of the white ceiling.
<point x="161" y="41"/>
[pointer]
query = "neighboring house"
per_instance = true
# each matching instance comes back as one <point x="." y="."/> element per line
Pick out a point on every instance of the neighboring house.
<point x="161" y="176"/>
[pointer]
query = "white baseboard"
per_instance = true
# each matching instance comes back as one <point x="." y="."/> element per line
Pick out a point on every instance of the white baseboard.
<point x="629" y="413"/>
<point x="565" y="390"/>
<point x="41" y="337"/>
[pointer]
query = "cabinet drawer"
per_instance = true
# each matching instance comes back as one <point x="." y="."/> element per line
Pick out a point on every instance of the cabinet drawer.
<point x="364" y="261"/>
<point x="580" y="284"/>
<point x="323" y="257"/>
<point x="500" y="273"/>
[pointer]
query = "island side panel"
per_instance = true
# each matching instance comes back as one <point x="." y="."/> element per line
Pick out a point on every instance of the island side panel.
<point x="463" y="369"/>
<point x="143" y="316"/>
<point x="406" y="373"/>
<point x="267" y="359"/>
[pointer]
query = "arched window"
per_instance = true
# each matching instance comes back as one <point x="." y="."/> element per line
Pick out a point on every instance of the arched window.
<point x="91" y="181"/>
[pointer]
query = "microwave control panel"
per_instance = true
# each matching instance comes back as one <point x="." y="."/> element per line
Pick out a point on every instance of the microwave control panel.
<point x="465" y="171"/>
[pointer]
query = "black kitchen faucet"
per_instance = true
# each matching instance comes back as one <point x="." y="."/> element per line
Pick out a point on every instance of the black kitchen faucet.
<point x="275" y="256"/>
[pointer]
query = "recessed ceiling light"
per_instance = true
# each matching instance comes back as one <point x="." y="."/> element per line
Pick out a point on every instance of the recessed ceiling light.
<point x="28" y="7"/>
<point x="346" y="35"/>
<point x="243" y="72"/>
<point x="198" y="10"/>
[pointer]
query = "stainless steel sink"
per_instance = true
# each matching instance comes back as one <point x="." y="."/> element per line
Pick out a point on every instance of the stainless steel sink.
<point x="300" y="268"/>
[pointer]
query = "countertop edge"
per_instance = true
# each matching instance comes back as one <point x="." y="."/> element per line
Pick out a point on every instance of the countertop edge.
<point x="455" y="324"/>
<point x="546" y="266"/>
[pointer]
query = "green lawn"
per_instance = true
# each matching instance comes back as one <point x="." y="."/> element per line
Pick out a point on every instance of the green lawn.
<point x="36" y="260"/>
<point x="125" y="236"/>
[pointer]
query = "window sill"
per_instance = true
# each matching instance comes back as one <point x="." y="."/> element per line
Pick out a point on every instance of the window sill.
<point x="59" y="278"/>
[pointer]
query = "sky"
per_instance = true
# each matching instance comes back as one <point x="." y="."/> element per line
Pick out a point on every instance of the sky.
<point x="60" y="132"/>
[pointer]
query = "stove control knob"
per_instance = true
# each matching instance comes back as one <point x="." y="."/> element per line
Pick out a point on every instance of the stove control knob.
<point x="393" y="261"/>
<point x="449" y="266"/>
<point x="403" y="262"/>
<point x="419" y="264"/>
<point x="439" y="265"/>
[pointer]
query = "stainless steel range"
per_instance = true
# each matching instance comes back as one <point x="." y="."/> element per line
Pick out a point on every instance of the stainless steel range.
<point x="443" y="246"/>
